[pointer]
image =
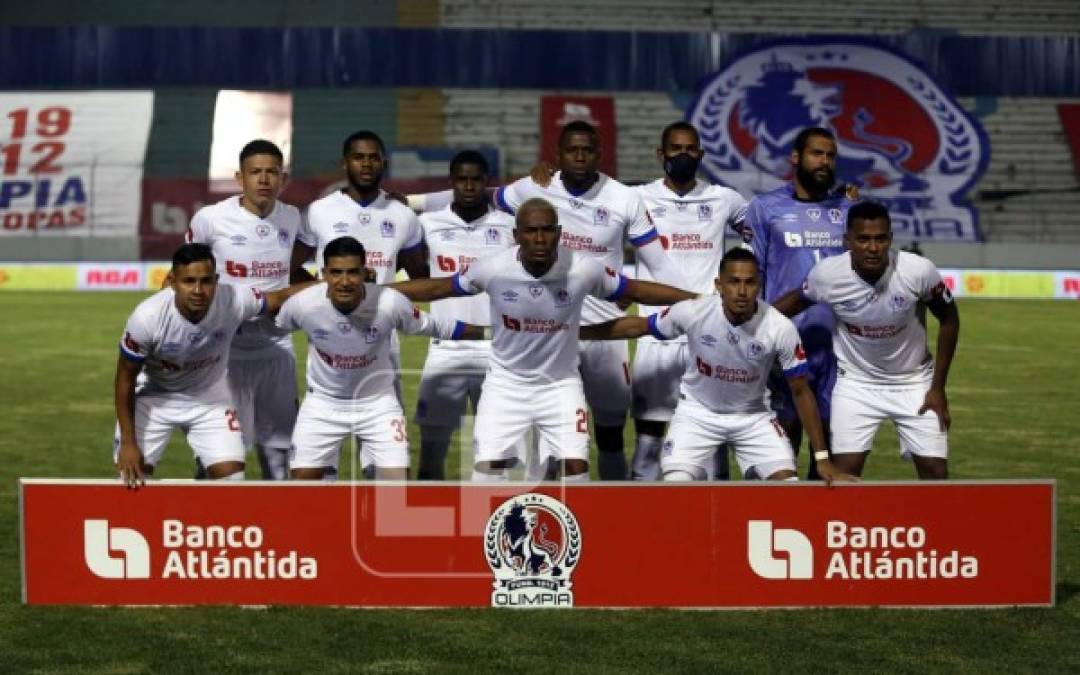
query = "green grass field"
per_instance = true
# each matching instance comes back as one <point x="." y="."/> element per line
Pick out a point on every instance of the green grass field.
<point x="1014" y="416"/>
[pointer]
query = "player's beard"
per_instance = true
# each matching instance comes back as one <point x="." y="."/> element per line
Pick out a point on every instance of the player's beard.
<point x="365" y="186"/>
<point x="812" y="182"/>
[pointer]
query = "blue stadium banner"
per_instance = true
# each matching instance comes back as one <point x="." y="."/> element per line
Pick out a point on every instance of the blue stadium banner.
<point x="902" y="138"/>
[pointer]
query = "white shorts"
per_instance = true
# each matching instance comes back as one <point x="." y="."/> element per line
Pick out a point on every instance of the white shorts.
<point x="212" y="429"/>
<point x="761" y="446"/>
<point x="605" y="374"/>
<point x="451" y="377"/>
<point x="264" y="391"/>
<point x="557" y="411"/>
<point x="658" y="370"/>
<point x="858" y="410"/>
<point x="324" y="423"/>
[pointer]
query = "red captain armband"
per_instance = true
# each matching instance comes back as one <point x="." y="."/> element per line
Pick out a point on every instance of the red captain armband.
<point x="941" y="291"/>
<point x="800" y="353"/>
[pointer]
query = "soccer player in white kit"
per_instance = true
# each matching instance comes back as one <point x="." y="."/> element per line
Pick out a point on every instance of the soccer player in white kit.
<point x="597" y="215"/>
<point x="885" y="369"/>
<point x="389" y="230"/>
<point x="536" y="291"/>
<point x="178" y="340"/>
<point x="350" y="378"/>
<point x="252" y="236"/>
<point x="454" y="237"/>
<point x="691" y="218"/>
<point x="732" y="341"/>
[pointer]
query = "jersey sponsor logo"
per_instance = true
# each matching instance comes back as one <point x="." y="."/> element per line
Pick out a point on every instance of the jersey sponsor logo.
<point x="387" y="229"/>
<point x="793" y="239"/>
<point x="900" y="136"/>
<point x="704" y="213"/>
<point x="235" y="269"/>
<point x="100" y="542"/>
<point x="562" y="298"/>
<point x="720" y="372"/>
<point x="446" y="263"/>
<point x="610" y="272"/>
<point x="340" y="227"/>
<point x="532" y="543"/>
<point x="492" y="237"/>
<point x="601" y="216"/>
<point x="510" y="323"/>
<point x="263" y="230"/>
<point x="665" y="242"/>
<point x="763" y="542"/>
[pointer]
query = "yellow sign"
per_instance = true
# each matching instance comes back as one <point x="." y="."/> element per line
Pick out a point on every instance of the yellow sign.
<point x="1009" y="284"/>
<point x="38" y="278"/>
<point x="155" y="276"/>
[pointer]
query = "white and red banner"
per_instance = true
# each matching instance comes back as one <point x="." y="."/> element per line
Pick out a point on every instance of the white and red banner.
<point x="956" y="543"/>
<point x="71" y="162"/>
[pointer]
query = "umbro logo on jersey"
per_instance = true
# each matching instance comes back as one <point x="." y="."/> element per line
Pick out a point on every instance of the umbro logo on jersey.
<point x="658" y="212"/>
<point x="789" y="218"/>
<point x="509" y="296"/>
<point x="320" y="333"/>
<point x="341" y="227"/>
<point x="447" y="235"/>
<point x="238" y="239"/>
<point x="708" y="340"/>
<point x="167" y="347"/>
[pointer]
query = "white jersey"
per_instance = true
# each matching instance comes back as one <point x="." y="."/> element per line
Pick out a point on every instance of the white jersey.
<point x="728" y="366"/>
<point x="252" y="252"/>
<point x="349" y="354"/>
<point x="595" y="223"/>
<point x="878" y="337"/>
<point x="691" y="229"/>
<point x="452" y="245"/>
<point x="182" y="358"/>
<point x="536" y="320"/>
<point x="384" y="226"/>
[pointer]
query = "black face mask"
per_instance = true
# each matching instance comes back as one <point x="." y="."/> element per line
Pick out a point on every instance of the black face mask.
<point x="681" y="168"/>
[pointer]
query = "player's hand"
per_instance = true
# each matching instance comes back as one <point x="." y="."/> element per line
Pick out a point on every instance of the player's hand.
<point x="623" y="303"/>
<point x="129" y="463"/>
<point x="851" y="192"/>
<point x="542" y="172"/>
<point x="937" y="401"/>
<point x="830" y="474"/>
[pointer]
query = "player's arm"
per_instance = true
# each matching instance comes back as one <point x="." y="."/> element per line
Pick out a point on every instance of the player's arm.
<point x="944" y="310"/>
<point x="806" y="407"/>
<point x="275" y="299"/>
<point x="129" y="460"/>
<point x="791" y="303"/>
<point x="652" y="293"/>
<point x="414" y="262"/>
<point x="301" y="253"/>
<point x="428" y="290"/>
<point x="623" y="328"/>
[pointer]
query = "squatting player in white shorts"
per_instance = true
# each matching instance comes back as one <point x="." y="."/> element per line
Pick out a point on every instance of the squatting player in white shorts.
<point x="733" y="340"/>
<point x="252" y="236"/>
<point x="536" y="291"/>
<point x="350" y="378"/>
<point x="171" y="370"/>
<point x="885" y="369"/>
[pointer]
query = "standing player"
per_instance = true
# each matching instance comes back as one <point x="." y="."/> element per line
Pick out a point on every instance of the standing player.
<point x="691" y="217"/>
<point x="597" y="214"/>
<point x="537" y="290"/>
<point x="456" y="236"/>
<point x="253" y="235"/>
<point x="886" y="371"/>
<point x="178" y="339"/>
<point x="733" y="341"/>
<point x="790" y="229"/>
<point x="350" y="378"/>
<point x="389" y="230"/>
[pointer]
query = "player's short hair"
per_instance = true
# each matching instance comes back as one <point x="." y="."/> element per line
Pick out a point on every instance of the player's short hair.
<point x="191" y="253"/>
<point x="579" y="127"/>
<point x="536" y="204"/>
<point x="261" y="146"/>
<point x="681" y="125"/>
<point x="363" y="135"/>
<point x="806" y="134"/>
<point x="868" y="211"/>
<point x="737" y="254"/>
<point x="470" y="157"/>
<point x="344" y="247"/>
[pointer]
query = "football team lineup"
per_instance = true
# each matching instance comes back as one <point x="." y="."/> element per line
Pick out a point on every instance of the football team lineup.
<point x="806" y="322"/>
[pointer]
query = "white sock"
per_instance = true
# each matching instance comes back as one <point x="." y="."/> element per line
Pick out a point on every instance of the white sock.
<point x="481" y="477"/>
<point x="646" y="462"/>
<point x="239" y="475"/>
<point x="678" y="476"/>
<point x="274" y="462"/>
<point x="612" y="465"/>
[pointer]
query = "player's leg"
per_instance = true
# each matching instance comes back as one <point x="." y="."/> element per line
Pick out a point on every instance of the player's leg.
<point x="856" y="416"/>
<point x="273" y="408"/>
<point x="562" y="425"/>
<point x="320" y="428"/>
<point x="690" y="443"/>
<point x="605" y="373"/>
<point x="503" y="416"/>
<point x="921" y="437"/>
<point x="154" y="424"/>
<point x="213" y="432"/>
<point x="381" y="426"/>
<point x="762" y="448"/>
<point x="658" y="370"/>
<point x="440" y="405"/>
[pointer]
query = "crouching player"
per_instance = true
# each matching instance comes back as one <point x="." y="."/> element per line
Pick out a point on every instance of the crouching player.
<point x="171" y="370"/>
<point x="733" y="340"/>
<point x="886" y="371"/>
<point x="350" y="375"/>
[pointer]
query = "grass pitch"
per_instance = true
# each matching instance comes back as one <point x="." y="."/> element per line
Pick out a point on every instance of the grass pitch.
<point x="1014" y="416"/>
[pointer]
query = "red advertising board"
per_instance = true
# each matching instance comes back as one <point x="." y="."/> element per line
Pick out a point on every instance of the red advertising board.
<point x="599" y="111"/>
<point x="603" y="545"/>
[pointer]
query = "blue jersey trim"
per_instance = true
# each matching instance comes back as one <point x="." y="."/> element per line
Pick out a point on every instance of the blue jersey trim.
<point x="654" y="329"/>
<point x="500" y="201"/>
<point x="798" y="371"/>
<point x="620" y="290"/>
<point x="646" y="238"/>
<point x="459" y="328"/>
<point x="458" y="288"/>
<point x="130" y="356"/>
